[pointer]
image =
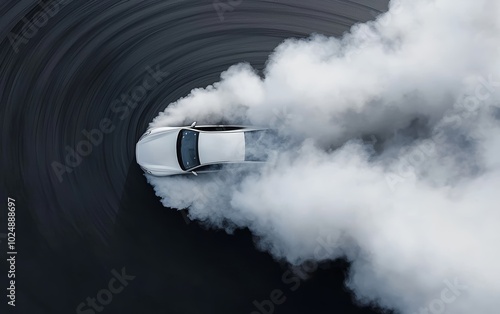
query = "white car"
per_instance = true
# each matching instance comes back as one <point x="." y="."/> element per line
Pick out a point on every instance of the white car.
<point x="167" y="151"/>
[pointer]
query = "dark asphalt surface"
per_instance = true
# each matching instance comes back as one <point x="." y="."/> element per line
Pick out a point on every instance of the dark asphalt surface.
<point x="78" y="68"/>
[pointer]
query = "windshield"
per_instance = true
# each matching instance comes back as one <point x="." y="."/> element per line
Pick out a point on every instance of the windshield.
<point x="187" y="149"/>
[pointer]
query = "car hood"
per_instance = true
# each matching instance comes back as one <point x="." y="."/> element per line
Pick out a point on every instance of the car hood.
<point x="158" y="151"/>
<point x="215" y="147"/>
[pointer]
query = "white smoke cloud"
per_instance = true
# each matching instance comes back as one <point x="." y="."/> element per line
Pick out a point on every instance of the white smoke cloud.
<point x="417" y="212"/>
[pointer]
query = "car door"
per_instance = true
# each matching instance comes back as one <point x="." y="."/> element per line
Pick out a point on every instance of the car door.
<point x="208" y="168"/>
<point x="219" y="128"/>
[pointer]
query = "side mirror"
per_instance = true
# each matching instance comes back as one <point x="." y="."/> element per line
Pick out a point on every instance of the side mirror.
<point x="193" y="124"/>
<point x="194" y="172"/>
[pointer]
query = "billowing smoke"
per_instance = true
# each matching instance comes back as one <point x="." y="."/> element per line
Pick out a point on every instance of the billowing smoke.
<point x="389" y="155"/>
